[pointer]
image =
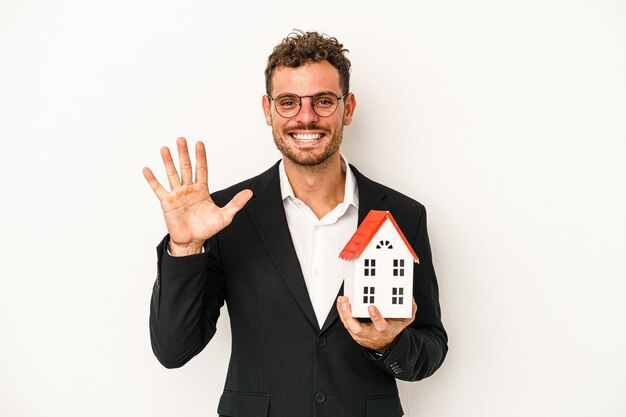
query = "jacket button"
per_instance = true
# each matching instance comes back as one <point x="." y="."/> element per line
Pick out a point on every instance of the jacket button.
<point x="321" y="342"/>
<point x="320" y="397"/>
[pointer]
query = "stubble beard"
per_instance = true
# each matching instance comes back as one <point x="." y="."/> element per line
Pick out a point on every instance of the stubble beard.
<point x="302" y="156"/>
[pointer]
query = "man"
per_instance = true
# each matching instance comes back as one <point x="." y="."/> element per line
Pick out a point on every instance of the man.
<point x="296" y="349"/>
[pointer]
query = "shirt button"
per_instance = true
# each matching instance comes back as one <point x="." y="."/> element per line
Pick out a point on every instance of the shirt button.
<point x="321" y="342"/>
<point x="316" y="272"/>
<point x="320" y="397"/>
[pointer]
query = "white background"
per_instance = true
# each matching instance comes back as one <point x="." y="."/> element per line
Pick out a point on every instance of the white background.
<point x="505" y="118"/>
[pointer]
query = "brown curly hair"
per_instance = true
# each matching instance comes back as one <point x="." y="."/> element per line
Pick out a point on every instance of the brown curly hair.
<point x="300" y="48"/>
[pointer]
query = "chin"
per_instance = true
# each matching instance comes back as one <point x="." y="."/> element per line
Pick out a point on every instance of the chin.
<point x="308" y="158"/>
<point x="312" y="161"/>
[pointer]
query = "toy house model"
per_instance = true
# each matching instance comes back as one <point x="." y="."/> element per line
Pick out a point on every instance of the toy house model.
<point x="381" y="267"/>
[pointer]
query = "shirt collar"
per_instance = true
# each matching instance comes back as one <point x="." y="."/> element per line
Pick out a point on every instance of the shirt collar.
<point x="351" y="192"/>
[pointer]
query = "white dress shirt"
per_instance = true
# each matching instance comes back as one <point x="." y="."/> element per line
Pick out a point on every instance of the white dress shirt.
<point x="318" y="242"/>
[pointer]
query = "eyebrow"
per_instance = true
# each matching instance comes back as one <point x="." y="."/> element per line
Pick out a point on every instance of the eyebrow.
<point x="307" y="95"/>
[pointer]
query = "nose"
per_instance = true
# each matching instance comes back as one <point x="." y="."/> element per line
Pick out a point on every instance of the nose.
<point x="306" y="114"/>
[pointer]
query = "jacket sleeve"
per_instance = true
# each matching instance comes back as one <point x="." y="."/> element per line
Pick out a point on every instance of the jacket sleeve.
<point x="423" y="345"/>
<point x="185" y="305"/>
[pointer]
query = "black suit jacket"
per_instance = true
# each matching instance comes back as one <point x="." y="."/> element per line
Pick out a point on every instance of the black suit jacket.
<point x="282" y="364"/>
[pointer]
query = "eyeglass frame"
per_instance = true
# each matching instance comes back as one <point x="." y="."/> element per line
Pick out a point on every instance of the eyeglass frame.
<point x="312" y="106"/>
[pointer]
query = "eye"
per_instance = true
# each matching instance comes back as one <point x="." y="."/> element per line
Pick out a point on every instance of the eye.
<point x="325" y="101"/>
<point x="288" y="101"/>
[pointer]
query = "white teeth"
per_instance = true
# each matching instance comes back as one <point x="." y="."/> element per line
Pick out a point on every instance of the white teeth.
<point x="306" y="136"/>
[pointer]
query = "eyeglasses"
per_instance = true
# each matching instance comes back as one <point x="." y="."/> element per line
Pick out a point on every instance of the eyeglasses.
<point x="324" y="104"/>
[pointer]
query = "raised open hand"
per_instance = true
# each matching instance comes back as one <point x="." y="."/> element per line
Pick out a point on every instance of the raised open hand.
<point x="190" y="214"/>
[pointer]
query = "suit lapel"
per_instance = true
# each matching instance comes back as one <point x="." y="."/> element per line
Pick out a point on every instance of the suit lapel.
<point x="371" y="197"/>
<point x="268" y="215"/>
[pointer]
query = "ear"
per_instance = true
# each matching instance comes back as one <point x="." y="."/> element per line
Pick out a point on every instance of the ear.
<point x="267" y="110"/>
<point x="349" y="111"/>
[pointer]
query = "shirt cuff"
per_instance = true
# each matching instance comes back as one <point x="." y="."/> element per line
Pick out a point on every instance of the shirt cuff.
<point x="167" y="248"/>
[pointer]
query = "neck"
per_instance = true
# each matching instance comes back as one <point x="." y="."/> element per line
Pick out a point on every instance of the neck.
<point x="320" y="187"/>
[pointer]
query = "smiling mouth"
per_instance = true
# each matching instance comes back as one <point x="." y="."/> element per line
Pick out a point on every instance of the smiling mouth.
<point x="306" y="136"/>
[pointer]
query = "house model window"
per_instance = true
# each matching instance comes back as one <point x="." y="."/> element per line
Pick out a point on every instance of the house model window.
<point x="398" y="267"/>
<point x="397" y="295"/>
<point x="380" y="267"/>
<point x="384" y="244"/>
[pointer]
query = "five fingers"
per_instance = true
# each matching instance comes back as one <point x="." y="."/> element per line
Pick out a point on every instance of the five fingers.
<point x="186" y="171"/>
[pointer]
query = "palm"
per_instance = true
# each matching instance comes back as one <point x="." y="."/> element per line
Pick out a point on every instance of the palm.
<point x="190" y="215"/>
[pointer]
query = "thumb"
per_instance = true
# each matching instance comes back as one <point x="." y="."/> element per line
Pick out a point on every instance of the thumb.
<point x="236" y="204"/>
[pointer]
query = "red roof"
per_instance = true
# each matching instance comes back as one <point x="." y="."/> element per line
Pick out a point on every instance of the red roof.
<point x="366" y="231"/>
